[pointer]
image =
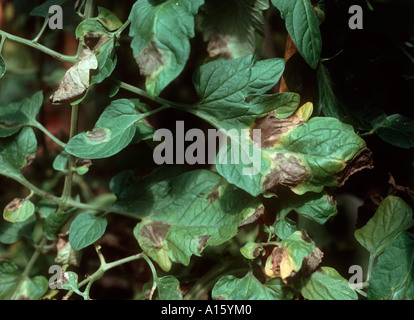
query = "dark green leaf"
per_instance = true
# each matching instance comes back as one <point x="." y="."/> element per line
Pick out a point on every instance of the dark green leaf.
<point x="43" y="9"/>
<point x="85" y="229"/>
<point x="12" y="232"/>
<point x="392" y="217"/>
<point x="168" y="288"/>
<point x="397" y="130"/>
<point x="249" y="288"/>
<point x="160" y="32"/>
<point x="303" y="27"/>
<point x="285" y="227"/>
<point x="393" y="274"/>
<point x="327" y="284"/>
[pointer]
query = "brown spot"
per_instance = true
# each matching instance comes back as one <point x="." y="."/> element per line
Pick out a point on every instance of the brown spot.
<point x="218" y="46"/>
<point x="213" y="196"/>
<point x="272" y="128"/>
<point x="15" y="204"/>
<point x="150" y="59"/>
<point x="257" y="213"/>
<point x="277" y="255"/>
<point x="202" y="242"/>
<point x="312" y="261"/>
<point x="288" y="171"/>
<point x="362" y="161"/>
<point x="83" y="163"/>
<point x="305" y="237"/>
<point x="155" y="232"/>
<point x="96" y="135"/>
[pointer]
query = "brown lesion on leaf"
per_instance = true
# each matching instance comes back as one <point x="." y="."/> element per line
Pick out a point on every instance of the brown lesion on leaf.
<point x="278" y="254"/>
<point x="218" y="46"/>
<point x="288" y="171"/>
<point x="202" y="242"/>
<point x="155" y="232"/>
<point x="150" y="59"/>
<point x="213" y="196"/>
<point x="257" y="213"/>
<point x="362" y="161"/>
<point x="15" y="204"/>
<point x="272" y="128"/>
<point x="96" y="135"/>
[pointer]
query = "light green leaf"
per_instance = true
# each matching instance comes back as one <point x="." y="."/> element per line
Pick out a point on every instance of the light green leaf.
<point x="114" y="130"/>
<point x="71" y="283"/>
<point x="318" y="207"/>
<point x="327" y="284"/>
<point x="108" y="19"/>
<point x="303" y="27"/>
<point x="15" y="152"/>
<point x="230" y="26"/>
<point x="85" y="229"/>
<point x="251" y="250"/>
<point x="160" y="32"/>
<point x="168" y="288"/>
<point x="249" y="288"/>
<point x="393" y="274"/>
<point x="392" y="217"/>
<point x="18" y="114"/>
<point x="18" y="210"/>
<point x="397" y="130"/>
<point x="67" y="255"/>
<point x="61" y="161"/>
<point x="2" y="66"/>
<point x="183" y="212"/>
<point x="32" y="289"/>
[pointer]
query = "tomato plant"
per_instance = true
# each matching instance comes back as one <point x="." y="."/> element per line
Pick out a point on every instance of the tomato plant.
<point x="205" y="149"/>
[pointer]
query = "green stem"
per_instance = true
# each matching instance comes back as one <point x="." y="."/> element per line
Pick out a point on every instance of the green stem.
<point x="123" y="27"/>
<point x="42" y="29"/>
<point x="154" y="274"/>
<point x="370" y="267"/>
<point x="38" y="46"/>
<point x="39" y="126"/>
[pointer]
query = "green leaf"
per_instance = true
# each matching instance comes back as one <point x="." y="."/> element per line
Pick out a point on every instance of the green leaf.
<point x="168" y="288"/>
<point x="303" y="27"/>
<point x="114" y="130"/>
<point x="327" y="284"/>
<point x="249" y="288"/>
<point x="393" y="274"/>
<point x="71" y="283"/>
<point x="67" y="255"/>
<point x="12" y="232"/>
<point x="85" y="229"/>
<point x="230" y="26"/>
<point x="56" y="220"/>
<point x="29" y="289"/>
<point x="397" y="130"/>
<point x="318" y="207"/>
<point x="18" y="210"/>
<point x="18" y="114"/>
<point x="43" y="9"/>
<point x="183" y="212"/>
<point x="15" y="152"/>
<point x="285" y="227"/>
<point x="392" y="217"/>
<point x="61" y="161"/>
<point x="160" y="32"/>
<point x="108" y="19"/>
<point x="2" y="66"/>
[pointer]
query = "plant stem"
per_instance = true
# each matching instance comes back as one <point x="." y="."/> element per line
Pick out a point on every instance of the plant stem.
<point x="39" y="126"/>
<point x="42" y="29"/>
<point x="154" y="274"/>
<point x="123" y="27"/>
<point x="38" y="46"/>
<point x="370" y="267"/>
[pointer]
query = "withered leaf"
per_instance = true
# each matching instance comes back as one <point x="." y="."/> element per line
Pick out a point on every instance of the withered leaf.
<point x="76" y="80"/>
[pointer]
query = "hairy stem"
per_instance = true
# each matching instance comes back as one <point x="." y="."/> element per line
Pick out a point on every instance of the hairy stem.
<point x="39" y="126"/>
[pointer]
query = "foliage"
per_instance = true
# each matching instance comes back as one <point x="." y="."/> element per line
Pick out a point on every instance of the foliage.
<point x="249" y="222"/>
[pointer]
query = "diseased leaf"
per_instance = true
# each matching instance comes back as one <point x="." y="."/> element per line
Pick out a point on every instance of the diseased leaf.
<point x="114" y="130"/>
<point x="76" y="80"/>
<point x="18" y="210"/>
<point x="327" y="284"/>
<point x="160" y="32"/>
<point x="32" y="289"/>
<point x="392" y="217"/>
<point x="66" y="254"/>
<point x="393" y="274"/>
<point x="108" y="19"/>
<point x="230" y="26"/>
<point x="168" y="288"/>
<point x="16" y="152"/>
<point x="251" y="250"/>
<point x="183" y="212"/>
<point x="85" y="229"/>
<point x="18" y="114"/>
<point x="249" y="288"/>
<point x="303" y="27"/>
<point x="397" y="130"/>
